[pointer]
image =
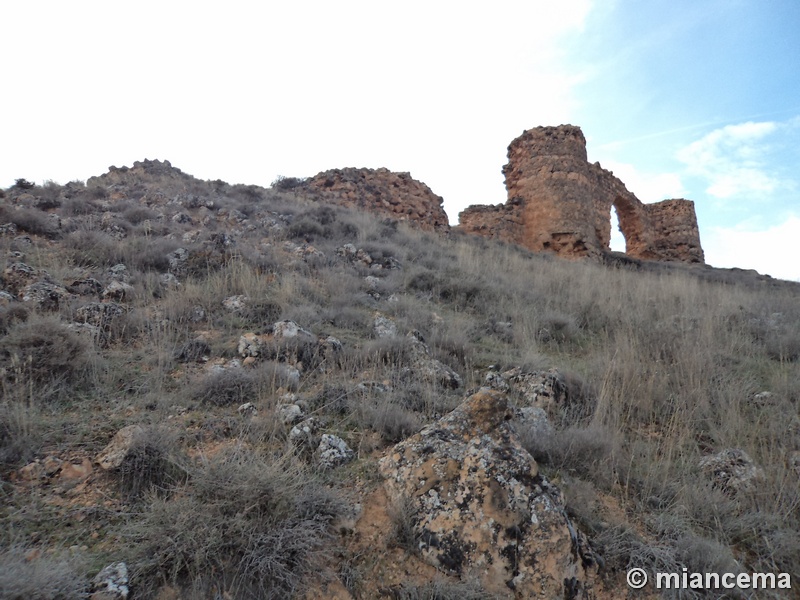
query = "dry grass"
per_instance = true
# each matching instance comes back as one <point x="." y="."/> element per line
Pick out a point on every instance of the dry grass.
<point x="662" y="366"/>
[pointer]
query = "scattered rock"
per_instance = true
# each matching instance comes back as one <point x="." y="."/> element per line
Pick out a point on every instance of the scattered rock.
<point x="235" y="303"/>
<point x="332" y="452"/>
<point x="119" y="447"/>
<point x="119" y="272"/>
<point x="383" y="327"/>
<point x="248" y="409"/>
<point x="118" y="290"/>
<point x="111" y="583"/>
<point x="99" y="314"/>
<point x="427" y="366"/>
<point x="732" y="471"/>
<point x="290" y="414"/>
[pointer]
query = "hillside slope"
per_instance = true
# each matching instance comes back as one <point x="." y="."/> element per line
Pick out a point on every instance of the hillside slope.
<point x="239" y="392"/>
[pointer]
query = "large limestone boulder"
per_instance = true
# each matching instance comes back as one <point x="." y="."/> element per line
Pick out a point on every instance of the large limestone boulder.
<point x="481" y="509"/>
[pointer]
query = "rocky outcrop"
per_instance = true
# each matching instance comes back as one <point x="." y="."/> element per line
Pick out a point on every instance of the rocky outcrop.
<point x="559" y="202"/>
<point x="732" y="471"/>
<point x="481" y="509"/>
<point x="394" y="195"/>
<point x="142" y="172"/>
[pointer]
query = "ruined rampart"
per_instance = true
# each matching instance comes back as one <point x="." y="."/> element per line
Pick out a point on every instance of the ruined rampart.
<point x="559" y="202"/>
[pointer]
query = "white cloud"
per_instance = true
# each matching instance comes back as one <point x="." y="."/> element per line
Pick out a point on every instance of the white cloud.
<point x="770" y="251"/>
<point x="648" y="187"/>
<point x="731" y="160"/>
<point x="251" y="90"/>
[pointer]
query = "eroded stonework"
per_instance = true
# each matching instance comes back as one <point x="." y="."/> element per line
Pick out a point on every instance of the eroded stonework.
<point x="395" y="195"/>
<point x="559" y="202"/>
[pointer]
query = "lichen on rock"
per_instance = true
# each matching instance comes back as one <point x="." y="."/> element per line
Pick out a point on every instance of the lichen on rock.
<point x="482" y="508"/>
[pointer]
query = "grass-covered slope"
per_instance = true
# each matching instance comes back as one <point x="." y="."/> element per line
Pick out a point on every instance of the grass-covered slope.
<point x="661" y="366"/>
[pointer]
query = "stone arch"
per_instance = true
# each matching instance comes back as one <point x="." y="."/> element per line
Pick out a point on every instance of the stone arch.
<point x="632" y="225"/>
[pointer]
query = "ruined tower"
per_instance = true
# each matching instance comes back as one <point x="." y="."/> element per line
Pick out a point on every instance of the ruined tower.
<point x="559" y="202"/>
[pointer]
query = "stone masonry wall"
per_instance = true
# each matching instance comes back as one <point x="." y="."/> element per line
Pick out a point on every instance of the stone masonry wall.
<point x="395" y="195"/>
<point x="559" y="202"/>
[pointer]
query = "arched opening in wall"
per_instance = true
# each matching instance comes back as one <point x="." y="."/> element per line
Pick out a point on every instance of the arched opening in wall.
<point x="617" y="242"/>
<point x="629" y="212"/>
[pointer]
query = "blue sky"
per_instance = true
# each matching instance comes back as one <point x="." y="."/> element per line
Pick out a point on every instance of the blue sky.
<point x="680" y="99"/>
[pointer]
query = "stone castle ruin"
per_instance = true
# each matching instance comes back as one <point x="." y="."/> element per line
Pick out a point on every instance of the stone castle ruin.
<point x="559" y="202"/>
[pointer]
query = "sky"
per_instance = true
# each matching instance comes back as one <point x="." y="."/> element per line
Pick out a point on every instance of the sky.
<point x="688" y="99"/>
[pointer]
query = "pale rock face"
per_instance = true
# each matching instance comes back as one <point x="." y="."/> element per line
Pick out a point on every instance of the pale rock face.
<point x="235" y="303"/>
<point x="290" y="414"/>
<point x="249" y="345"/>
<point x="119" y="447"/>
<point x="482" y="509"/>
<point x="332" y="452"/>
<point x="732" y="471"/>
<point x="117" y="290"/>
<point x="427" y="366"/>
<point x="384" y="327"/>
<point x="111" y="583"/>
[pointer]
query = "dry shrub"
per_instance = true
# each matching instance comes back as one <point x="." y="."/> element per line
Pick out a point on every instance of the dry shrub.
<point x="584" y="451"/>
<point x="393" y="422"/>
<point x="20" y="433"/>
<point x="254" y="527"/>
<point x="30" y="220"/>
<point x="41" y="354"/>
<point x="43" y="578"/>
<point x="154" y="462"/>
<point x="12" y="314"/>
<point x="90" y="248"/>
<point x="784" y="346"/>
<point x="226" y="387"/>
<point x="439" y="590"/>
<point x="403" y="516"/>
